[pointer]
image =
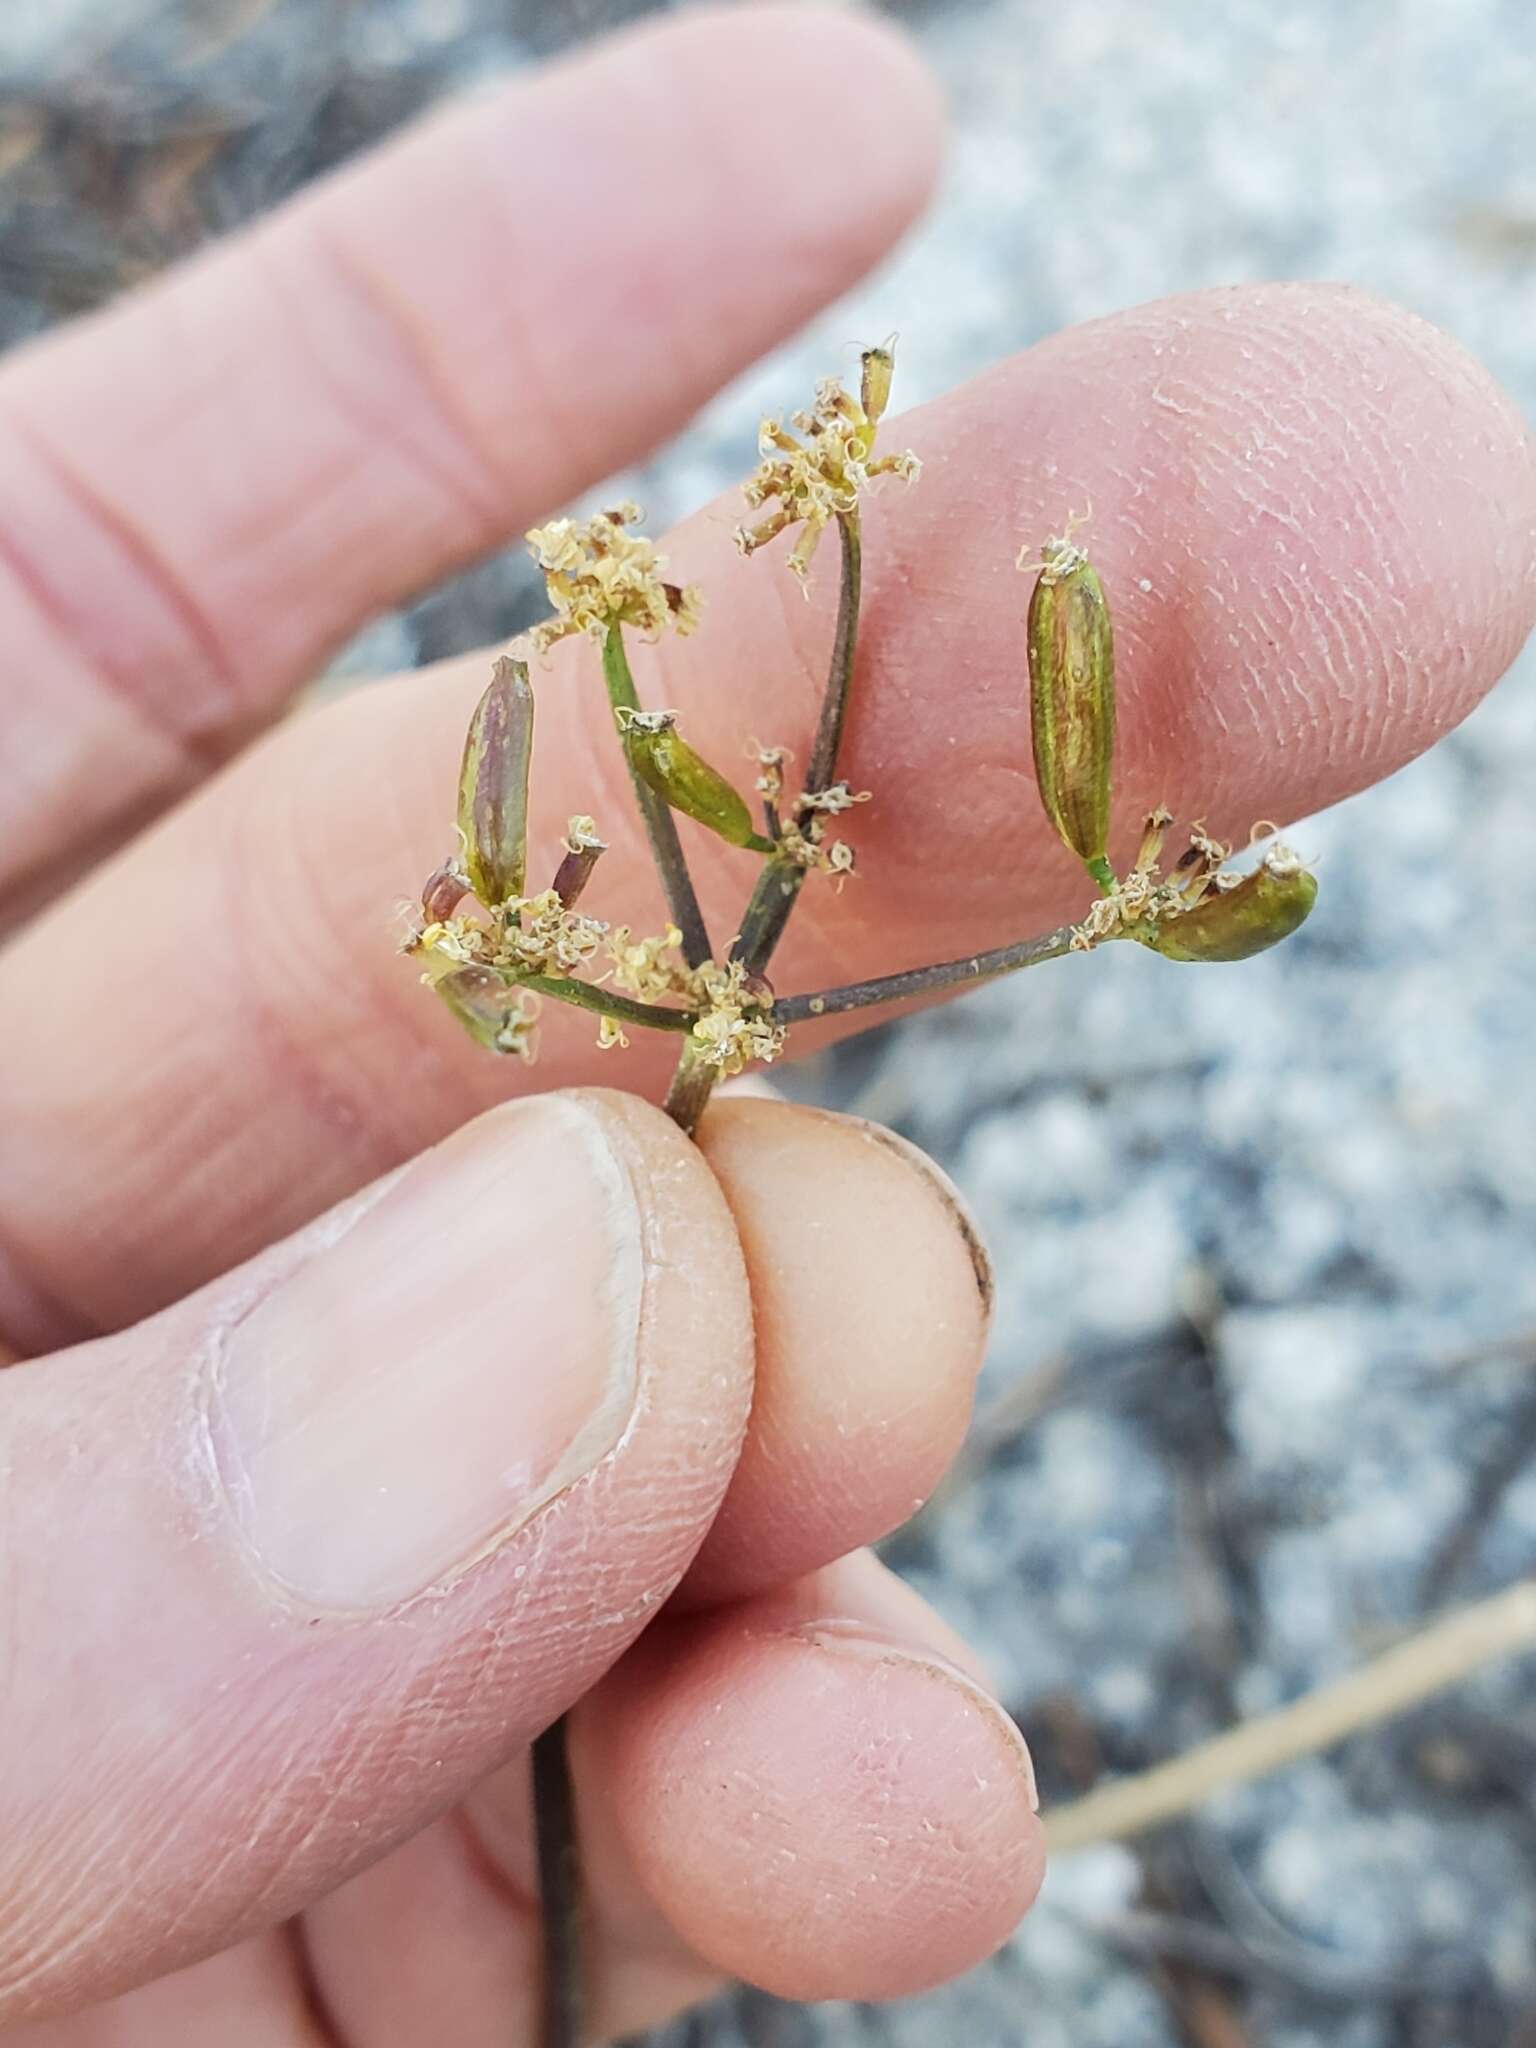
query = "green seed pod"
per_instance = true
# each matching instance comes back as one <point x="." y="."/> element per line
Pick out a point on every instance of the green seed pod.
<point x="877" y="366"/>
<point x="1234" y="924"/>
<point x="1072" y="701"/>
<point x="665" y="762"/>
<point x="493" y="786"/>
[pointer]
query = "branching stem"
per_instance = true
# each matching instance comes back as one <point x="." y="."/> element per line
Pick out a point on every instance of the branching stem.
<point x="660" y="825"/>
<point x="780" y="883"/>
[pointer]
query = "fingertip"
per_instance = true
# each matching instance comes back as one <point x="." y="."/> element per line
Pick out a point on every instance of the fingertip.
<point x="822" y="1811"/>
<point x="857" y="116"/>
<point x="871" y="1301"/>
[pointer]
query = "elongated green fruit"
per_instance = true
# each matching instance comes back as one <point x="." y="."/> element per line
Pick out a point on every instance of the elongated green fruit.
<point x="665" y="762"/>
<point x="1072" y="701"/>
<point x="493" y="786"/>
<point x="1264" y="908"/>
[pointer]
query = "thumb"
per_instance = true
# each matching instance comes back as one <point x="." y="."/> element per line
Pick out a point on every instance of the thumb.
<point x="287" y="1568"/>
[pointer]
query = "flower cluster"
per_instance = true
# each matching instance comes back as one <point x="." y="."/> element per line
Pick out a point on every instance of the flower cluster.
<point x="803" y="834"/>
<point x="819" y="479"/>
<point x="515" y="944"/>
<point x="599" y="575"/>
<point x="735" y="1023"/>
<point x="529" y="935"/>
<point x="649" y="969"/>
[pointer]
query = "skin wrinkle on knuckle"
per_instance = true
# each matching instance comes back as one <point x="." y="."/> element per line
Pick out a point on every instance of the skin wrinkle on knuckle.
<point x="554" y="438"/>
<point x="184" y="759"/>
<point x="307" y="263"/>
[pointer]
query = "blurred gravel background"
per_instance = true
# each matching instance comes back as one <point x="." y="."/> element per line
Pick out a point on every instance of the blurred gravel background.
<point x="1263" y="1390"/>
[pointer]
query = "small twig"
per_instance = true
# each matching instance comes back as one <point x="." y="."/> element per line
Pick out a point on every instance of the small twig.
<point x="660" y="825"/>
<point x="1427" y="1663"/>
<point x="919" y="981"/>
<point x="1512" y="1451"/>
<point x="1148" y="1935"/>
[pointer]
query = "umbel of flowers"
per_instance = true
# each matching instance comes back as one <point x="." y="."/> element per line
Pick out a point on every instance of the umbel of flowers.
<point x="493" y="949"/>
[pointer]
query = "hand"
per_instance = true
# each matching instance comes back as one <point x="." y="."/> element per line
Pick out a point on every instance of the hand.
<point x="305" y="1536"/>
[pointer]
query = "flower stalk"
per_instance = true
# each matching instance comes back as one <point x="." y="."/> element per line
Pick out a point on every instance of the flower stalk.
<point x="660" y="825"/>
<point x="778" y="886"/>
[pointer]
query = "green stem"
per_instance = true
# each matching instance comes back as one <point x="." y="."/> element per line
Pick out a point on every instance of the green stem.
<point x="588" y="995"/>
<point x="1102" y="873"/>
<point x="921" y="981"/>
<point x="660" y="825"/>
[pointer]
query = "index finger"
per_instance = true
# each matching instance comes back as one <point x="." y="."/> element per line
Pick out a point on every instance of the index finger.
<point x="206" y="488"/>
<point x="1317" y="522"/>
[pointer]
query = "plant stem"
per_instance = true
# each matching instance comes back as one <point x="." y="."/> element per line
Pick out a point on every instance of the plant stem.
<point x="780" y="883"/>
<point x="762" y="926"/>
<point x="919" y="981"/>
<point x="588" y="995"/>
<point x="554" y="1808"/>
<point x="821" y="771"/>
<point x="693" y="1080"/>
<point x="554" y="1830"/>
<point x="660" y="825"/>
<point x="764" y="919"/>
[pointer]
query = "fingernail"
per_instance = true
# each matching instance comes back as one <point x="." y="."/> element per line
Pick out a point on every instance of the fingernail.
<point x="409" y="1395"/>
<point x="849" y="1638"/>
<point x="950" y="1200"/>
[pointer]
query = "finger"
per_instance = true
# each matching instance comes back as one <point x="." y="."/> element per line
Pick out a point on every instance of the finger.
<point x="205" y="489"/>
<point x="824" y="1761"/>
<point x="1314" y="516"/>
<point x="254" y="1995"/>
<point x="817" y="1797"/>
<point x="347" y="1529"/>
<point x="871" y="1297"/>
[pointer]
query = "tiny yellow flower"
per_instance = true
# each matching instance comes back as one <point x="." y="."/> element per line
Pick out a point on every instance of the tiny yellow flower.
<point x="599" y="575"/>
<point x="818" y="479"/>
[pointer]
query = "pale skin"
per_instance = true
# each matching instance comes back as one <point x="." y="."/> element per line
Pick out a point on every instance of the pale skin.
<point x="272" y="1792"/>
